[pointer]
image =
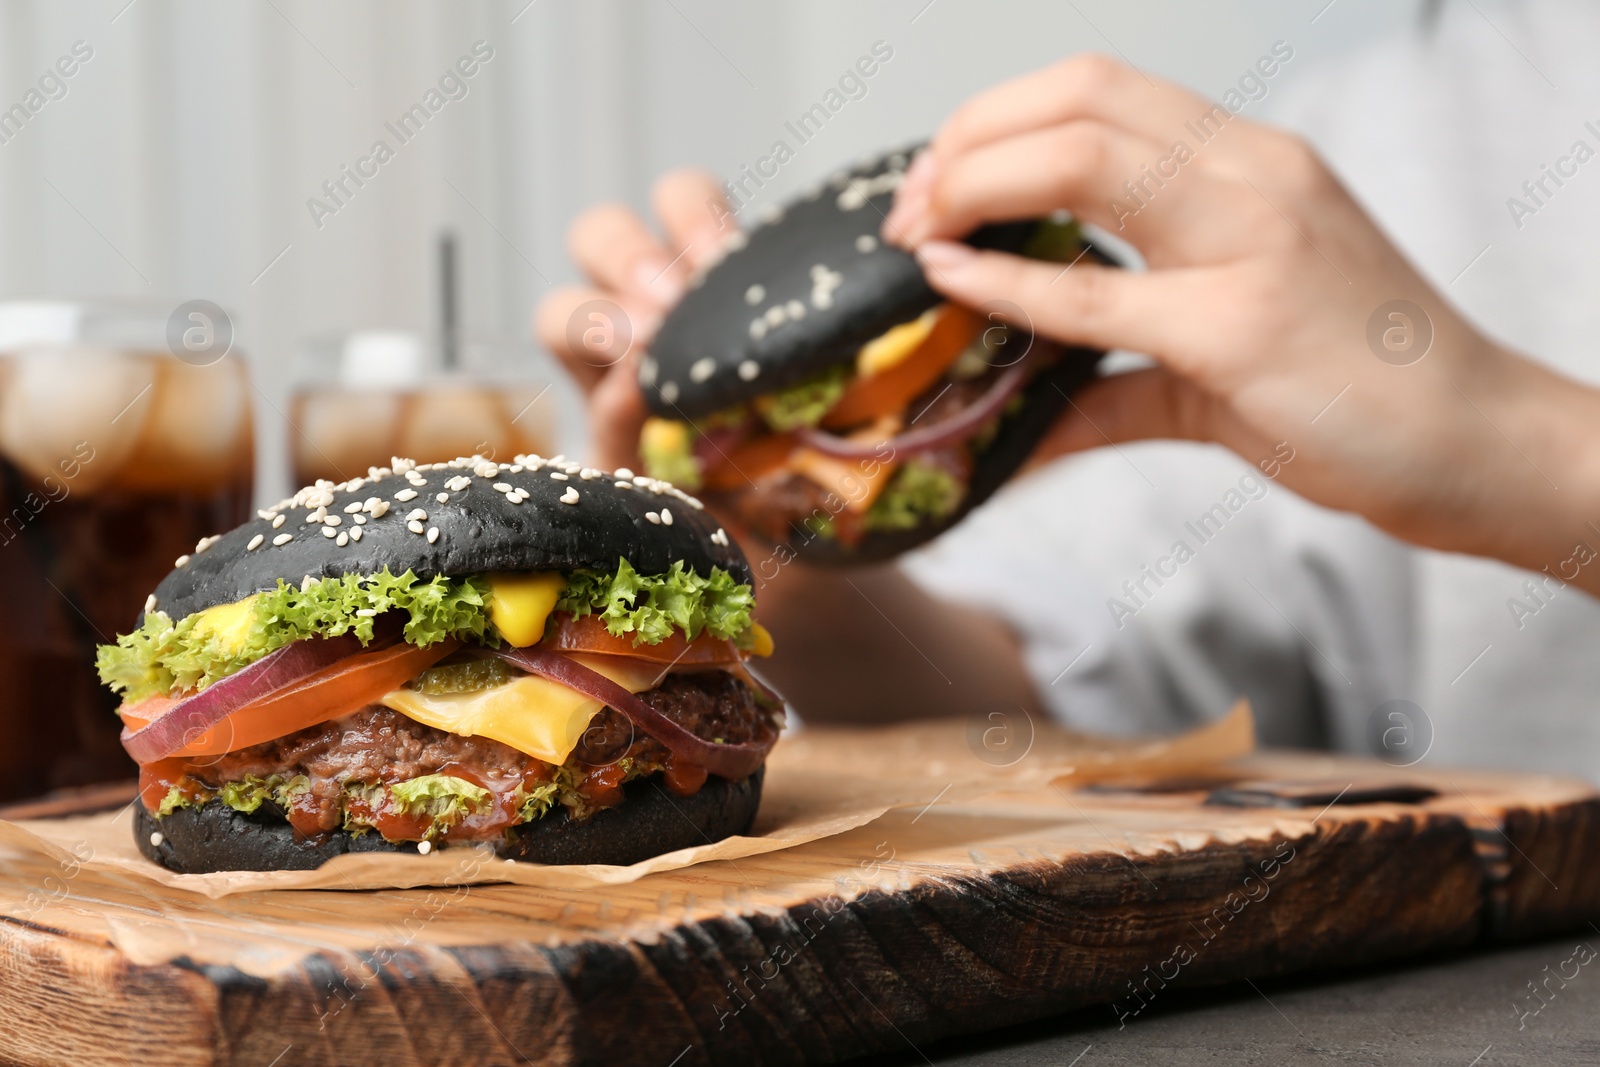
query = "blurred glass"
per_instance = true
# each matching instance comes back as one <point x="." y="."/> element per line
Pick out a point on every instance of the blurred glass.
<point x="119" y="451"/>
<point x="362" y="398"/>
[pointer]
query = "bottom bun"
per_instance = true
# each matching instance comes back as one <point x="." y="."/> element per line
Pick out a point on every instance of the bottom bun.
<point x="648" y="822"/>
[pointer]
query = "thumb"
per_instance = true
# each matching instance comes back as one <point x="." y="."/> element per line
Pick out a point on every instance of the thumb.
<point x="1138" y="406"/>
<point x="616" y="414"/>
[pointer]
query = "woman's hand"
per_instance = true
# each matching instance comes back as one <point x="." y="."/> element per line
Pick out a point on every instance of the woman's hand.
<point x="601" y="330"/>
<point x="1265" y="283"/>
<point x="891" y="650"/>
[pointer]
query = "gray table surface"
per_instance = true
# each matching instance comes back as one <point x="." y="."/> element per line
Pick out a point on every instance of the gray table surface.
<point x="1471" y="1009"/>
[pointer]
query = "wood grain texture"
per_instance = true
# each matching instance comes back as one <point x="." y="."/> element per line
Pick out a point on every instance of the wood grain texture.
<point x="923" y="924"/>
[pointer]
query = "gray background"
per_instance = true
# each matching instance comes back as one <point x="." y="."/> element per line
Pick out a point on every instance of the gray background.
<point x="180" y="161"/>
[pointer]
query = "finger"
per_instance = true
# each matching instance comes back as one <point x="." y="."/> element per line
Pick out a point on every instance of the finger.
<point x="694" y="211"/>
<point x="1091" y="86"/>
<point x="1148" y="405"/>
<point x="616" y="414"/>
<point x="617" y="251"/>
<point x="591" y="331"/>
<point x="1141" y="405"/>
<point x="1095" y="88"/>
<point x="1119" y="181"/>
<point x="1081" y="304"/>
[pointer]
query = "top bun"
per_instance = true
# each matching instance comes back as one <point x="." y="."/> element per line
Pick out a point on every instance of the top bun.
<point x="565" y="517"/>
<point x="795" y="296"/>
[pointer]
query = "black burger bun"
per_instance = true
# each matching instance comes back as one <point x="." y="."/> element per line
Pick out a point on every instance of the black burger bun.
<point x="804" y="290"/>
<point x="797" y="294"/>
<point x="650" y="821"/>
<point x="571" y="517"/>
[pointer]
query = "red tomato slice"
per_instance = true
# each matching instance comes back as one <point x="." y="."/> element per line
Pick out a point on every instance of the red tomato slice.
<point x="145" y="711"/>
<point x="331" y="693"/>
<point x="588" y="634"/>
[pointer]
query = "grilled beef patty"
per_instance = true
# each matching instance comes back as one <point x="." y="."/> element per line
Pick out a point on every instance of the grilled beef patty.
<point x="379" y="745"/>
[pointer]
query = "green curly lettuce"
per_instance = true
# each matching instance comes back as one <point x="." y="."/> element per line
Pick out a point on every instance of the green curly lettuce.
<point x="919" y="492"/>
<point x="563" y="789"/>
<point x="163" y="657"/>
<point x="806" y="403"/>
<point x="650" y="608"/>
<point x="445" y="799"/>
<point x="248" y="793"/>
<point x="538" y="801"/>
<point x="177" y="798"/>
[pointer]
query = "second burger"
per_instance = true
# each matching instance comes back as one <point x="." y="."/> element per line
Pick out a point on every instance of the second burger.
<point x="540" y="656"/>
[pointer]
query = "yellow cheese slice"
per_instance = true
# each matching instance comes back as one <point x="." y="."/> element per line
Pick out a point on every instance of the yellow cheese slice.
<point x="762" y="644"/>
<point x="666" y="436"/>
<point x="519" y="604"/>
<point x="534" y="715"/>
<point x="895" y="344"/>
<point x="229" y="623"/>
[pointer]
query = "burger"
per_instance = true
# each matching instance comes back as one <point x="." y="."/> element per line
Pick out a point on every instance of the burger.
<point x="826" y="398"/>
<point x="538" y="656"/>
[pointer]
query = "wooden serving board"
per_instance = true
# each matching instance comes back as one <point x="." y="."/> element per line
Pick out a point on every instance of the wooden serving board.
<point x="925" y="923"/>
